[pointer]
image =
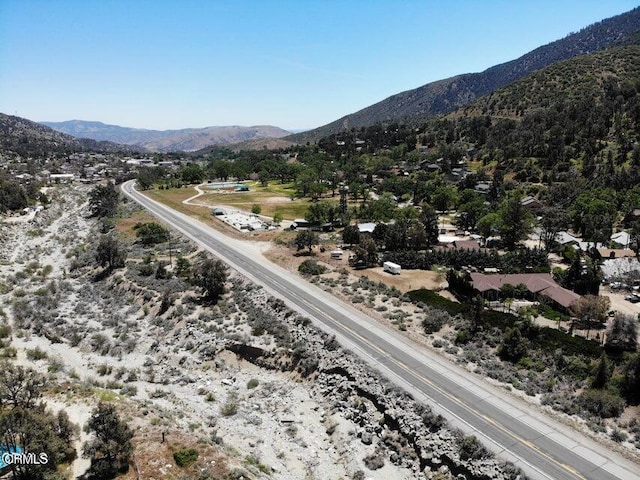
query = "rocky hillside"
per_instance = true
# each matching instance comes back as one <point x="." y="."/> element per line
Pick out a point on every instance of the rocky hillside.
<point x="188" y="139"/>
<point x="447" y="95"/>
<point x="22" y="137"/>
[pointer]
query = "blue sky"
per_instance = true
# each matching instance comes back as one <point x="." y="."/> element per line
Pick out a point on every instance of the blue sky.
<point x="295" y="64"/>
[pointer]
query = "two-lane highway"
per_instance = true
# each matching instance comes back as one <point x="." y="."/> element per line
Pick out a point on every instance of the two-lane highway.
<point x="516" y="431"/>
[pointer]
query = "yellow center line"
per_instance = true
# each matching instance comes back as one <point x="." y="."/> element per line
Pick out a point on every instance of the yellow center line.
<point x="424" y="379"/>
<point x="455" y="399"/>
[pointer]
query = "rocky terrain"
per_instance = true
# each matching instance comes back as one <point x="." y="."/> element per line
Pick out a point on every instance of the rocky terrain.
<point x="249" y="384"/>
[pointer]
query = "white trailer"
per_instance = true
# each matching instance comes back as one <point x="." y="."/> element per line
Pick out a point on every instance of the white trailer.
<point x="392" y="268"/>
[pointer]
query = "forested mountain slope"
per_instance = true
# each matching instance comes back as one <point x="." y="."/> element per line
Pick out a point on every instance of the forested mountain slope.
<point x="447" y="95"/>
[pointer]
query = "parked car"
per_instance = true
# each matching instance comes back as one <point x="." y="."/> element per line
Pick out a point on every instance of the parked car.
<point x="633" y="298"/>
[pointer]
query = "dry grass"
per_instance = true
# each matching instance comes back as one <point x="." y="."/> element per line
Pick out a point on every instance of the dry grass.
<point x="407" y="280"/>
<point x="173" y="199"/>
<point x="124" y="226"/>
<point x="152" y="456"/>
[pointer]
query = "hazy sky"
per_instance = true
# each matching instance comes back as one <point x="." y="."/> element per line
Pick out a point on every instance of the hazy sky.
<point x="294" y="64"/>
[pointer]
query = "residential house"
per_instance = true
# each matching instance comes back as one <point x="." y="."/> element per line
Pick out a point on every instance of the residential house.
<point x="609" y="253"/>
<point x="532" y="204"/>
<point x="482" y="187"/>
<point x="621" y="238"/>
<point x="368" y="227"/>
<point x="464" y="245"/>
<point x="540" y="286"/>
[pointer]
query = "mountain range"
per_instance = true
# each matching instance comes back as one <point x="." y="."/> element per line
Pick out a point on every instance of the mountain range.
<point x="457" y="94"/>
<point x="444" y="96"/>
<point x="188" y="139"/>
<point x="19" y="136"/>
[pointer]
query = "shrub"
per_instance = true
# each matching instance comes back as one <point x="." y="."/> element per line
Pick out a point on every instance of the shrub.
<point x="470" y="448"/>
<point x="434" y="320"/>
<point x="602" y="403"/>
<point x="5" y="331"/>
<point x="463" y="336"/>
<point x="618" y="436"/>
<point x="435" y="300"/>
<point x="311" y="267"/>
<point x="185" y="457"/>
<point x="229" y="409"/>
<point x="36" y="354"/>
<point x="253" y="383"/>
<point x="151" y="233"/>
<point x="374" y="461"/>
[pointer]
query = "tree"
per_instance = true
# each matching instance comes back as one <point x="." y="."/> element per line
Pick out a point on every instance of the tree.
<point x="593" y="214"/>
<point x="210" y="275"/>
<point x="591" y="309"/>
<point x="111" y="448"/>
<point x="264" y="176"/>
<point x="515" y="221"/>
<point x="622" y="335"/>
<point x="443" y="198"/>
<point x="416" y="236"/>
<point x="602" y="373"/>
<point x="553" y="220"/>
<point x="380" y="233"/>
<point x="221" y="169"/>
<point x="631" y="378"/>
<point x="25" y="423"/>
<point x="103" y="200"/>
<point x="471" y="209"/>
<point x="488" y="225"/>
<point x="381" y="210"/>
<point x="182" y="266"/>
<point x="583" y="276"/>
<point x="477" y="304"/>
<point x="147" y="176"/>
<point x="306" y="239"/>
<point x="110" y="253"/>
<point x="277" y="218"/>
<point x="513" y="346"/>
<point x="635" y="237"/>
<point x="151" y="233"/>
<point x="12" y="196"/>
<point x="395" y="237"/>
<point x="192" y="174"/>
<point x="256" y="209"/>
<point x="429" y="219"/>
<point x="366" y="253"/>
<point x="351" y="234"/>
<point x="321" y="212"/>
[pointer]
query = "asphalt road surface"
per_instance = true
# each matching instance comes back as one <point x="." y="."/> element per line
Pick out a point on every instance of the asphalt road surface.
<point x="542" y="447"/>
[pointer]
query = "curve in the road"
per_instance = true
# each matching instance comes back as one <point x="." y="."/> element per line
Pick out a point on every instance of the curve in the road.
<point x="539" y="446"/>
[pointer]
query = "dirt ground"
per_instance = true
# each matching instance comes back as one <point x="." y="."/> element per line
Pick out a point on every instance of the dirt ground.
<point x="619" y="304"/>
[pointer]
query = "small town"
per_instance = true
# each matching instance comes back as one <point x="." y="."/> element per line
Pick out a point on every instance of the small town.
<point x="442" y="285"/>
